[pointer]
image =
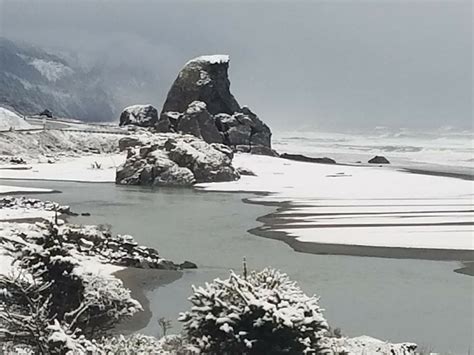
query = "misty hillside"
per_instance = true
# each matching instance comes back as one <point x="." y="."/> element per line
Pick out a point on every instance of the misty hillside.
<point x="32" y="80"/>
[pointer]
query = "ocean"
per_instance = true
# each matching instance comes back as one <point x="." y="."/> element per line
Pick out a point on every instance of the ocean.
<point x="442" y="150"/>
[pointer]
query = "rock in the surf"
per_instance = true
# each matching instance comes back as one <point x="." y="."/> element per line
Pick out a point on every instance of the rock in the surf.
<point x="378" y="159"/>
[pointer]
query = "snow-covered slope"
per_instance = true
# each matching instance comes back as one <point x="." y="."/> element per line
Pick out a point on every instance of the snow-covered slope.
<point x="11" y="120"/>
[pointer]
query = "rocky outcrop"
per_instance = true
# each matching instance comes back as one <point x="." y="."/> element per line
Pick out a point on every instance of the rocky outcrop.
<point x="10" y="202"/>
<point x="304" y="158"/>
<point x="120" y="250"/>
<point x="379" y="160"/>
<point x="174" y="160"/>
<point x="139" y="115"/>
<point x="200" y="103"/>
<point x="88" y="242"/>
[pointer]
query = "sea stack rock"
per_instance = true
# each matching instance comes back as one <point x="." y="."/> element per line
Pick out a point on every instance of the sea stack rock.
<point x="139" y="115"/>
<point x="378" y="159"/>
<point x="200" y="103"/>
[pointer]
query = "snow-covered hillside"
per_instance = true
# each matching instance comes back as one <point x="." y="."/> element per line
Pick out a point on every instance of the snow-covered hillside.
<point x="32" y="80"/>
<point x="11" y="120"/>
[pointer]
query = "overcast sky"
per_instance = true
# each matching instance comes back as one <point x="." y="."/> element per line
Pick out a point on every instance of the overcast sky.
<point x="315" y="64"/>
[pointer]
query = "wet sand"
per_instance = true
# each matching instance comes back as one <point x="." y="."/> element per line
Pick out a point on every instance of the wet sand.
<point x="139" y="281"/>
<point x="467" y="269"/>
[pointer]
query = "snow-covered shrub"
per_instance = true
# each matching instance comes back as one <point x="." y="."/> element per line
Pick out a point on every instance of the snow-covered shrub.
<point x="134" y="344"/>
<point x="138" y="344"/>
<point x="107" y="302"/>
<point x="50" y="305"/>
<point x="51" y="264"/>
<point x="263" y="313"/>
<point x="24" y="314"/>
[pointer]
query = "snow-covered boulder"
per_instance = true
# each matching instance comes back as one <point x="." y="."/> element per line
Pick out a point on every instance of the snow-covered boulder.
<point x="174" y="159"/>
<point x="200" y="103"/>
<point x="9" y="120"/>
<point x="139" y="115"/>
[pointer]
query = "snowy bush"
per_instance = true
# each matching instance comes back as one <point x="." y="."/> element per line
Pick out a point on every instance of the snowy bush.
<point x="51" y="306"/>
<point x="263" y="313"/>
<point x="105" y="302"/>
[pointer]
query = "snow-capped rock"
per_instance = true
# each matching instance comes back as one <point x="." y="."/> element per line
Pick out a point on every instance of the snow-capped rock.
<point x="173" y="159"/>
<point x="139" y="115"/>
<point x="200" y="103"/>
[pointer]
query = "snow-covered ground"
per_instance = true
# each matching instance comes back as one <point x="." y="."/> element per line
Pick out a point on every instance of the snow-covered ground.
<point x="366" y="206"/>
<point x="91" y="168"/>
<point x="9" y="214"/>
<point x="9" y="189"/>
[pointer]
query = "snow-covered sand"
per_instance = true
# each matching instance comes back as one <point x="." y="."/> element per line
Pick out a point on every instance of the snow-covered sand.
<point x="9" y="189"/>
<point x="15" y="214"/>
<point x="360" y="206"/>
<point x="70" y="169"/>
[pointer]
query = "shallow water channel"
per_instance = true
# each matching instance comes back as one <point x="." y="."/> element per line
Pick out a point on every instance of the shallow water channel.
<point x="398" y="300"/>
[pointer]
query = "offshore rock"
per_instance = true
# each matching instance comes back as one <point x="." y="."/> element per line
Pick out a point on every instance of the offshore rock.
<point x="379" y="160"/>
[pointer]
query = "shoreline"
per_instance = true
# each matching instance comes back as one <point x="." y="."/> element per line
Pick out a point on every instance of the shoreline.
<point x="139" y="282"/>
<point x="453" y="175"/>
<point x="56" y="180"/>
<point x="29" y="192"/>
<point x="467" y="269"/>
<point x="270" y="220"/>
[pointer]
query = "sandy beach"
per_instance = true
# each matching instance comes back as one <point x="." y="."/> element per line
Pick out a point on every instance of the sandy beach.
<point x="361" y="211"/>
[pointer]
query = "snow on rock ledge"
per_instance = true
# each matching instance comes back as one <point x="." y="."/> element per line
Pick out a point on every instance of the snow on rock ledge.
<point x="173" y="160"/>
<point x="211" y="59"/>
